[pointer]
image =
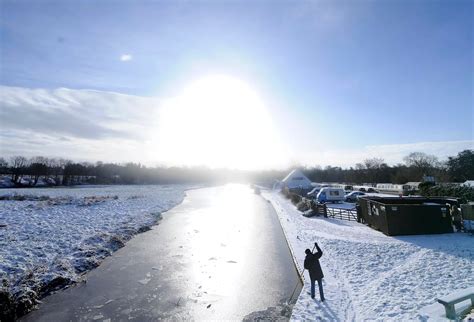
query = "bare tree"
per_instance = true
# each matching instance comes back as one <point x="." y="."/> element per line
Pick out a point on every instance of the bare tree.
<point x="422" y="163"/>
<point x="18" y="164"/>
<point x="3" y="165"/>
<point x="38" y="167"/>
<point x="374" y="163"/>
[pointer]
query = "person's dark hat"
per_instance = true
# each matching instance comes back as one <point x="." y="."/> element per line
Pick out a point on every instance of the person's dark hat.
<point x="307" y="251"/>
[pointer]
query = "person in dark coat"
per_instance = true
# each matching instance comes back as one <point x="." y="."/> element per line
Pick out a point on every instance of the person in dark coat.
<point x="311" y="263"/>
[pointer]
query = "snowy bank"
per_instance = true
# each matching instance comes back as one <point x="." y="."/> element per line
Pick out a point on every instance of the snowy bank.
<point x="370" y="276"/>
<point x="48" y="237"/>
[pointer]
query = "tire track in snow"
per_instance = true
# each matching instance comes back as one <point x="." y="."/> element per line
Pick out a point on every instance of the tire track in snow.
<point x="416" y="257"/>
<point x="338" y="287"/>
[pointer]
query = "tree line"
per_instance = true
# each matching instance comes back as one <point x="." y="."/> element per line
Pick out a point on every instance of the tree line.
<point x="415" y="167"/>
<point x="24" y="171"/>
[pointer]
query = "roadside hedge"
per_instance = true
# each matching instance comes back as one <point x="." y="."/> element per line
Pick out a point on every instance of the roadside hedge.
<point x="463" y="193"/>
<point x="295" y="198"/>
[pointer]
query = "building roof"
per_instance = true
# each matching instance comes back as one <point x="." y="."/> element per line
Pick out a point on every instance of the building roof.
<point x="294" y="173"/>
<point x="296" y="178"/>
<point x="469" y="183"/>
<point x="413" y="183"/>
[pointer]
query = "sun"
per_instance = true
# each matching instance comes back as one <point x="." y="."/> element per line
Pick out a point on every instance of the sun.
<point x="218" y="121"/>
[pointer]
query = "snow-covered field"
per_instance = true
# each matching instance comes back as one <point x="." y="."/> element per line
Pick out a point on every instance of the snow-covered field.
<point x="48" y="237"/>
<point x="370" y="276"/>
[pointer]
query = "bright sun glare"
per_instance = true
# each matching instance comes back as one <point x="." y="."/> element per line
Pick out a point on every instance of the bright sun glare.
<point x="218" y="121"/>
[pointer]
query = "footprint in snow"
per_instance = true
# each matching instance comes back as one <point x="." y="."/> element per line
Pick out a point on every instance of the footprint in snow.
<point x="144" y="281"/>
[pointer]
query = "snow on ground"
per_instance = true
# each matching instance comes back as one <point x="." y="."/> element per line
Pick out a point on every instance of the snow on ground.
<point x="50" y="236"/>
<point x="470" y="316"/>
<point x="437" y="312"/>
<point x="372" y="276"/>
<point x="6" y="182"/>
<point x="341" y="205"/>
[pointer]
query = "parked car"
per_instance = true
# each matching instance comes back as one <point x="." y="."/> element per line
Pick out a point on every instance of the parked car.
<point x="354" y="195"/>
<point x="330" y="195"/>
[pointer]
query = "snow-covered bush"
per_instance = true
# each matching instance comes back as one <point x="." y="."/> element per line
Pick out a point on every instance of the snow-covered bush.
<point x="49" y="237"/>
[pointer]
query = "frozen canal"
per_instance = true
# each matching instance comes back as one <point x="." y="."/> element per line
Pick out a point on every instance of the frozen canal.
<point x="221" y="254"/>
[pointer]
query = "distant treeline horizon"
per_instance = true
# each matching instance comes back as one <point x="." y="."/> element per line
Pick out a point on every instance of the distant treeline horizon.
<point x="24" y="171"/>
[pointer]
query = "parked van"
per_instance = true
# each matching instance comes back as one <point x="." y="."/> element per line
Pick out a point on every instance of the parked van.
<point x="330" y="195"/>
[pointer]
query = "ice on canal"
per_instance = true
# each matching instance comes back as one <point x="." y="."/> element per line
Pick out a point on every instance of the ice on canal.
<point x="48" y="237"/>
<point x="220" y="254"/>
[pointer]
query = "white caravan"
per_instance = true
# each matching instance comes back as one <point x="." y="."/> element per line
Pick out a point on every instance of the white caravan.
<point x="314" y="192"/>
<point x="330" y="195"/>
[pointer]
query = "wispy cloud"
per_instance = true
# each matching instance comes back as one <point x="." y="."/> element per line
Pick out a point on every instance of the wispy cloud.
<point x="77" y="113"/>
<point x="74" y="123"/>
<point x="126" y="57"/>
<point x="326" y="16"/>
<point x="96" y="125"/>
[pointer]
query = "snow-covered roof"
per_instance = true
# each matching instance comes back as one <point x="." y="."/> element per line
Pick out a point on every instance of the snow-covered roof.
<point x="469" y="183"/>
<point x="413" y="184"/>
<point x="293" y="173"/>
<point x="296" y="179"/>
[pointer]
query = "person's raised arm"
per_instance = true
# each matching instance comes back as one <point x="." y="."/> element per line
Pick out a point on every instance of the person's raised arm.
<point x="319" y="251"/>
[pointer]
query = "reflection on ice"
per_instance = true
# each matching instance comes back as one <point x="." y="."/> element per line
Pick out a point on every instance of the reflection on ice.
<point x="221" y="238"/>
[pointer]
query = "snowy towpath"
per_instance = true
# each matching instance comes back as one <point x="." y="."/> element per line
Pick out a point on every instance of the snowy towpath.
<point x="372" y="276"/>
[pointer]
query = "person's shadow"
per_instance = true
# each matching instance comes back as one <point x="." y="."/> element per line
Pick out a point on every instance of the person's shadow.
<point x="328" y="312"/>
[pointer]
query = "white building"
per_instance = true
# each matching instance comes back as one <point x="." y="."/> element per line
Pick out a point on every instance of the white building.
<point x="296" y="179"/>
<point x="469" y="183"/>
<point x="413" y="185"/>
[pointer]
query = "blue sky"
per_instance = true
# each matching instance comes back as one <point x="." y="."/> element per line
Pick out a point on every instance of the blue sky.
<point x="339" y="78"/>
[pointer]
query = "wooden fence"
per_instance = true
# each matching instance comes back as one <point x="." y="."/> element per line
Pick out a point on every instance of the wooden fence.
<point x="343" y="214"/>
<point x="319" y="209"/>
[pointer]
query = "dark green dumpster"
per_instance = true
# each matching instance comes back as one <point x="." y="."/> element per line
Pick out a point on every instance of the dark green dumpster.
<point x="407" y="216"/>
